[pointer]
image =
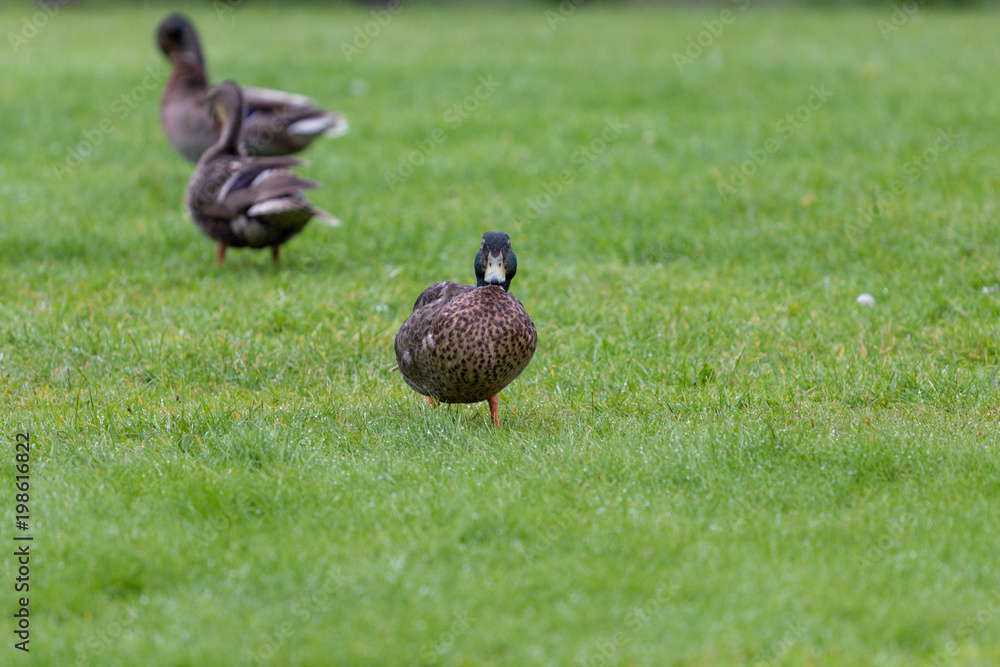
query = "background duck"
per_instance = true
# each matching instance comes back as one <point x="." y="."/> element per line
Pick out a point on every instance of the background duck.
<point x="244" y="201"/>
<point x="276" y="123"/>
<point x="465" y="343"/>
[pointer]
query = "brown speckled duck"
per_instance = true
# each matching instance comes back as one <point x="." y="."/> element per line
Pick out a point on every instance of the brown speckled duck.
<point x="464" y="343"/>
<point x="276" y="123"/>
<point x="244" y="201"/>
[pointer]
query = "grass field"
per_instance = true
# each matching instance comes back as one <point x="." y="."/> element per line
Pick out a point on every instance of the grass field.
<point x="716" y="457"/>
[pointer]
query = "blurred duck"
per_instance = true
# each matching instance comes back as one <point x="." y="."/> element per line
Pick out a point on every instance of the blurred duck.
<point x="276" y="123"/>
<point x="243" y="201"/>
<point x="465" y="343"/>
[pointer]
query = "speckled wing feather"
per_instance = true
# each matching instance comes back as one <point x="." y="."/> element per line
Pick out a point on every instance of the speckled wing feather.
<point x="409" y="340"/>
<point x="433" y="299"/>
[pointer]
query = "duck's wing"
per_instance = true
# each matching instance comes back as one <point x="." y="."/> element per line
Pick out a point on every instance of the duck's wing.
<point x="277" y="120"/>
<point x="245" y="184"/>
<point x="412" y="340"/>
<point x="436" y="298"/>
<point x="270" y="99"/>
<point x="428" y="306"/>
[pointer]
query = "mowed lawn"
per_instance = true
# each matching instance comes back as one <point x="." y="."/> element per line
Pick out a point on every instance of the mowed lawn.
<point x="716" y="457"/>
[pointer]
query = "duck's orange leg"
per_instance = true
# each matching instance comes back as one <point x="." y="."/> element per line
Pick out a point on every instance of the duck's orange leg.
<point x="431" y="401"/>
<point x="494" y="402"/>
<point x="220" y="254"/>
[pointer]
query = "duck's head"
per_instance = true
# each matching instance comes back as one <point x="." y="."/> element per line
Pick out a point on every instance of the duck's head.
<point x="496" y="263"/>
<point x="177" y="38"/>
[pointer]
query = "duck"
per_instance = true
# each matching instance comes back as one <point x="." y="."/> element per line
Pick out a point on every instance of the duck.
<point x="276" y="123"/>
<point x="466" y="343"/>
<point x="246" y="201"/>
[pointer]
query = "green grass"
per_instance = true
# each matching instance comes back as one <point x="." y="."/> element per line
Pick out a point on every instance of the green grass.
<point x="716" y="456"/>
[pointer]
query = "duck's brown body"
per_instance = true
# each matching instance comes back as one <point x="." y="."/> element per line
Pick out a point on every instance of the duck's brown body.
<point x="275" y="122"/>
<point x="261" y="216"/>
<point x="464" y="344"/>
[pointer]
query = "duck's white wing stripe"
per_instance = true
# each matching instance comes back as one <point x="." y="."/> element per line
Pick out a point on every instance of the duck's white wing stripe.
<point x="224" y="190"/>
<point x="339" y="128"/>
<point x="278" y="96"/>
<point x="312" y="126"/>
<point x="273" y="206"/>
<point x="266" y="174"/>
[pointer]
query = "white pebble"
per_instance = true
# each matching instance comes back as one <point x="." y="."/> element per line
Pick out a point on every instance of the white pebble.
<point x="866" y="299"/>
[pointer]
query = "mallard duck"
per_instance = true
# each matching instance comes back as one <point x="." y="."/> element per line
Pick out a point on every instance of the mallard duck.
<point x="244" y="201"/>
<point x="276" y="123"/>
<point x="465" y="343"/>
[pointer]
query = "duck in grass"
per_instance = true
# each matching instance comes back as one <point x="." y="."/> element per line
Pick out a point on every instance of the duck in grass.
<point x="465" y="343"/>
<point x="244" y="201"/>
<point x="276" y="123"/>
